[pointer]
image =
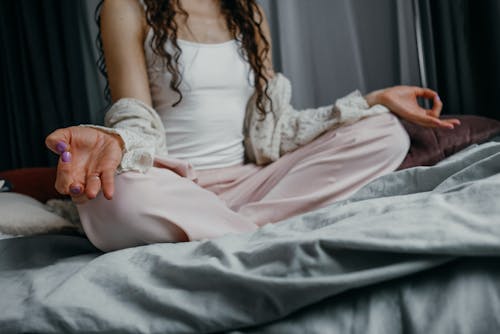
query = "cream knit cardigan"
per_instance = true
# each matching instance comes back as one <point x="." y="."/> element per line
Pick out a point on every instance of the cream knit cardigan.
<point x="283" y="130"/>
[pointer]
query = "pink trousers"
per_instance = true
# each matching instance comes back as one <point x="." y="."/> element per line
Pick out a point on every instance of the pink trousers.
<point x="173" y="202"/>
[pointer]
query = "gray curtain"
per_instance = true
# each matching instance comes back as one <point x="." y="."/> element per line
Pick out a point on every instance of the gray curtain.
<point x="329" y="48"/>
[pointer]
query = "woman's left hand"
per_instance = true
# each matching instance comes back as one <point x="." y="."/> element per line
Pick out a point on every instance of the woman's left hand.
<point x="402" y="101"/>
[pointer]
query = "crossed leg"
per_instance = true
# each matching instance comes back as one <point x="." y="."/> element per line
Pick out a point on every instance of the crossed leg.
<point x="163" y="206"/>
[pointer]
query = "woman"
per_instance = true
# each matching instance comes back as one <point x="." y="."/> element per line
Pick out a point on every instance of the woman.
<point x="198" y="63"/>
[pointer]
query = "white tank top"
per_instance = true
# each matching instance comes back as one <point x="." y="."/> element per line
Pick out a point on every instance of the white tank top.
<point x="206" y="127"/>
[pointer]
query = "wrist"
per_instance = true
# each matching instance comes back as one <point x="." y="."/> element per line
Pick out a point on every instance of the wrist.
<point x="374" y="97"/>
<point x="119" y="140"/>
<point x="107" y="132"/>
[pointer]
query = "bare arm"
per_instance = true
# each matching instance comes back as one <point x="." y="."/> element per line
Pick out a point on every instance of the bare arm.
<point x="123" y="30"/>
<point x="95" y="155"/>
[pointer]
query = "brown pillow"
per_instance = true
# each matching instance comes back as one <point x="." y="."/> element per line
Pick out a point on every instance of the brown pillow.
<point x="35" y="182"/>
<point x="429" y="145"/>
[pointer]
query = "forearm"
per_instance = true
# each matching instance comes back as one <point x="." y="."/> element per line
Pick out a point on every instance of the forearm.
<point x="374" y="97"/>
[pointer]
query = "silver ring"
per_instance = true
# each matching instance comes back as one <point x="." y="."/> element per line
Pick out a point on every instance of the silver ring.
<point x="94" y="176"/>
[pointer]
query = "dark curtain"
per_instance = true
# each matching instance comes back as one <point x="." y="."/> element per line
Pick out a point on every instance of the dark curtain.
<point x="462" y="48"/>
<point x="48" y="77"/>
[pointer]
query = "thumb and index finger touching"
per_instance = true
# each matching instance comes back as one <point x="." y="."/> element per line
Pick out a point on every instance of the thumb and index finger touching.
<point x="72" y="175"/>
<point x="437" y="106"/>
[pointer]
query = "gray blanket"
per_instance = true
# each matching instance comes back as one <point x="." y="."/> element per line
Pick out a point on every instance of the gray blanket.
<point x="402" y="224"/>
<point x="462" y="296"/>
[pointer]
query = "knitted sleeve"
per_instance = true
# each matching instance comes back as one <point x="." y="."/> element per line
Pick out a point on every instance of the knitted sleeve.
<point x="140" y="128"/>
<point x="302" y="126"/>
<point x="284" y="129"/>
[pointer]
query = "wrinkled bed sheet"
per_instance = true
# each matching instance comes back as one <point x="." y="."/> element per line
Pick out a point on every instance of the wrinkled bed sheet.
<point x="413" y="246"/>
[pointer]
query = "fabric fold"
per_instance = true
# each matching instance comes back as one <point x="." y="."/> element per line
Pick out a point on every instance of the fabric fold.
<point x="283" y="130"/>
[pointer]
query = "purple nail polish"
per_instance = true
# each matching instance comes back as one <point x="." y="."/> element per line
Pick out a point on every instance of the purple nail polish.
<point x="61" y="147"/>
<point x="75" y="190"/>
<point x="66" y="157"/>
<point x="439" y="99"/>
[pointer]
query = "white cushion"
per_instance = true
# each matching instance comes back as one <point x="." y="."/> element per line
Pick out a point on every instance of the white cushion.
<point x="24" y="215"/>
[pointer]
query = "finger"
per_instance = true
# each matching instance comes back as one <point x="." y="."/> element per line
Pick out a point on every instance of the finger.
<point x="64" y="176"/>
<point x="441" y="123"/>
<point x="431" y="122"/>
<point x="76" y="189"/>
<point x="77" y="186"/>
<point x="108" y="183"/>
<point x="430" y="119"/>
<point x="426" y="93"/>
<point x="58" y="141"/>
<point x="92" y="185"/>
<point x="77" y="193"/>
<point x="425" y="124"/>
<point x="454" y="121"/>
<point x="437" y="106"/>
<point x="451" y="124"/>
<point x="446" y="125"/>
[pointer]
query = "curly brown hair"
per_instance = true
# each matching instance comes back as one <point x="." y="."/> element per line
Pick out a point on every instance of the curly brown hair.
<point x="244" y="20"/>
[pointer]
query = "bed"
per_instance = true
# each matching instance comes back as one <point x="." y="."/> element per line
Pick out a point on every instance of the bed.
<point x="415" y="251"/>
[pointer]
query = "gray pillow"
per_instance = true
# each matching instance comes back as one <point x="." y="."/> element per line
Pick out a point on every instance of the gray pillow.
<point x="24" y="215"/>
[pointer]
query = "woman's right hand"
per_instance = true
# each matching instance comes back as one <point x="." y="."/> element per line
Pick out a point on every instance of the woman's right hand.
<point x="88" y="161"/>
